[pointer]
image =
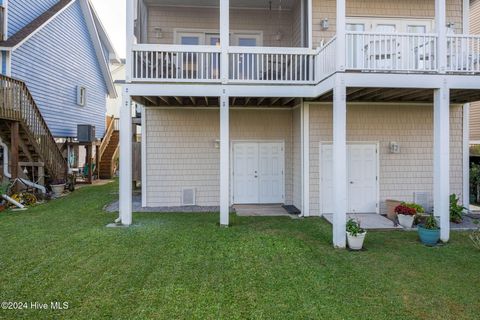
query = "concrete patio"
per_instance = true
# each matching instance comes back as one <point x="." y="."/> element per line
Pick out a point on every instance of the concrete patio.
<point x="369" y="221"/>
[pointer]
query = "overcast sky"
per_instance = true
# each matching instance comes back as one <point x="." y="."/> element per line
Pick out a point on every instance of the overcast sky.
<point x="112" y="14"/>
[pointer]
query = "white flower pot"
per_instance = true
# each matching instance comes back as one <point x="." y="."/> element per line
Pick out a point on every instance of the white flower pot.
<point x="406" y="221"/>
<point x="58" y="189"/>
<point x="356" y="242"/>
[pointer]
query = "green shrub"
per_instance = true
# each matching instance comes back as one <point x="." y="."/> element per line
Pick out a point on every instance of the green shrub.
<point x="456" y="210"/>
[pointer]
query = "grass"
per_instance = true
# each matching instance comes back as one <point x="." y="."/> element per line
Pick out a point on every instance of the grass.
<point x="183" y="266"/>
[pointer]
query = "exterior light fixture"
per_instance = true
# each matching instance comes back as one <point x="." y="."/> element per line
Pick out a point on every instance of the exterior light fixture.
<point x="394" y="147"/>
<point x="324" y="24"/>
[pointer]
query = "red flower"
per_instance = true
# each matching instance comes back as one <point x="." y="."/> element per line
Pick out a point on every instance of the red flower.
<point x="405" y="210"/>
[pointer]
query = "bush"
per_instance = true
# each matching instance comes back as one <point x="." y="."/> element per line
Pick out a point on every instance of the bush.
<point x="456" y="210"/>
<point x="475" y="183"/>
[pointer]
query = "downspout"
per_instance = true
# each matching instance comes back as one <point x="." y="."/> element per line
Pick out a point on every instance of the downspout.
<point x="5" y="159"/>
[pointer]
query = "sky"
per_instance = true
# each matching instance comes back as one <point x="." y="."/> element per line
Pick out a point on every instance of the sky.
<point x="112" y="14"/>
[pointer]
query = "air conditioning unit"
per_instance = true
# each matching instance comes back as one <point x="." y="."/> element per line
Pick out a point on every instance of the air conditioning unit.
<point x="188" y="197"/>
<point x="85" y="133"/>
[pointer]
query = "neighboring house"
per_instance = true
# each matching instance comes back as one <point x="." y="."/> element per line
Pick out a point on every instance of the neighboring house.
<point x="328" y="106"/>
<point x="118" y="76"/>
<point x="60" y="53"/>
<point x="475" y="106"/>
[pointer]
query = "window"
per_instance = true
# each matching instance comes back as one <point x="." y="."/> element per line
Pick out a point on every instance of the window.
<point x="81" y="96"/>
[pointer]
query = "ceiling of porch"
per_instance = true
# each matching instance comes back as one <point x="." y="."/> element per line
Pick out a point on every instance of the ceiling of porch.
<point x="253" y="4"/>
<point x="401" y="95"/>
<point x="167" y="101"/>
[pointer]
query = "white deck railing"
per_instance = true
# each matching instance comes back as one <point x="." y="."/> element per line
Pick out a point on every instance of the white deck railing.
<point x="401" y="52"/>
<point x="463" y="53"/>
<point x="272" y="65"/>
<point x="365" y="51"/>
<point x="176" y="63"/>
<point x="326" y="60"/>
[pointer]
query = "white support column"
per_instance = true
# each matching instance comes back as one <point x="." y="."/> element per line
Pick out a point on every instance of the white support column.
<point x="125" y="194"/>
<point x="441" y="160"/>
<point x="144" y="157"/>
<point x="224" y="38"/>
<point x="130" y="16"/>
<point x="466" y="156"/>
<point x="441" y="29"/>
<point x="224" y="159"/>
<point x="305" y="127"/>
<point x="341" y="30"/>
<point x="310" y="24"/>
<point x="339" y="163"/>
<point x="466" y="16"/>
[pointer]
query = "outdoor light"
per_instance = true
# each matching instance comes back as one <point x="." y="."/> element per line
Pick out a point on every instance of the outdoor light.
<point x="278" y="36"/>
<point x="394" y="147"/>
<point x="324" y="24"/>
<point x="217" y="144"/>
<point x="159" y="32"/>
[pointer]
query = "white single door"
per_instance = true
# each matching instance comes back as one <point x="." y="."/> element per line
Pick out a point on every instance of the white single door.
<point x="258" y="173"/>
<point x="361" y="178"/>
<point x="270" y="173"/>
<point x="245" y="170"/>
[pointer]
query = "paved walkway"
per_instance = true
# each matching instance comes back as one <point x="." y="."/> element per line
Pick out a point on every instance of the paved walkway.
<point x="262" y="211"/>
<point x="369" y="221"/>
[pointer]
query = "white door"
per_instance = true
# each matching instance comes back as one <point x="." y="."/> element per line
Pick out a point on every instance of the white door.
<point x="361" y="178"/>
<point x="258" y="173"/>
<point x="245" y="172"/>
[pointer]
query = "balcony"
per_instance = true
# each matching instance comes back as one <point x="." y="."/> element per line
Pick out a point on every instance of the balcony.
<point x="366" y="52"/>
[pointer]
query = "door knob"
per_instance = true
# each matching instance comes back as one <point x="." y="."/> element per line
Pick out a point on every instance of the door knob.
<point x="351" y="182"/>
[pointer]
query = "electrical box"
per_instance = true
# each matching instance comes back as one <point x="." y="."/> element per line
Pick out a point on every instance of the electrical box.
<point x="85" y="133"/>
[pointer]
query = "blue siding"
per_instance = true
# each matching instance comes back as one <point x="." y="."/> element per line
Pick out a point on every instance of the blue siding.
<point x="22" y="12"/>
<point x="53" y="63"/>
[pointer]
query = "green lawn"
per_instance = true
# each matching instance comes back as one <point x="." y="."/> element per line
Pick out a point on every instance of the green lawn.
<point x="183" y="266"/>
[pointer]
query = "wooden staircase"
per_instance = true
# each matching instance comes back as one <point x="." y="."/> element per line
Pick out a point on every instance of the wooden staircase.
<point x="21" y="117"/>
<point x="108" y="152"/>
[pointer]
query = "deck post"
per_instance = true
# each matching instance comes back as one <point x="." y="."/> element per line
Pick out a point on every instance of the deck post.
<point x="224" y="38"/>
<point x="441" y="159"/>
<point x="224" y="159"/>
<point x="341" y="34"/>
<point x="14" y="148"/>
<point x="339" y="162"/>
<point x="441" y="30"/>
<point x="305" y="134"/>
<point x="466" y="156"/>
<point x="126" y="159"/>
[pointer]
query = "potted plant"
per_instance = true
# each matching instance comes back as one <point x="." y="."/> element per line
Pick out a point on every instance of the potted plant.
<point x="355" y="235"/>
<point x="419" y="217"/>
<point x="429" y="232"/>
<point x="456" y="210"/>
<point x="406" y="215"/>
<point x="57" y="186"/>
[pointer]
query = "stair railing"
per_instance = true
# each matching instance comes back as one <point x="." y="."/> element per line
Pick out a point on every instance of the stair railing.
<point x="17" y="104"/>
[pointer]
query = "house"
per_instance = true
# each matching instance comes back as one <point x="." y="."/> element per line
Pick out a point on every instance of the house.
<point x="59" y="54"/>
<point x="333" y="107"/>
<point x="475" y="106"/>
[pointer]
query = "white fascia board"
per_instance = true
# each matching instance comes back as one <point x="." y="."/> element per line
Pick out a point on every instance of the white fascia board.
<point x="86" y="9"/>
<point x="113" y="56"/>
<point x="40" y="27"/>
<point x="180" y="90"/>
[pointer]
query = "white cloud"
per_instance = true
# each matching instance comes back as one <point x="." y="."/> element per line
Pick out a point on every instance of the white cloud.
<point x="112" y="14"/>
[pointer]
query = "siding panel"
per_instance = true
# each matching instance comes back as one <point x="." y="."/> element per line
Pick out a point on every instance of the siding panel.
<point x="181" y="150"/>
<point x="53" y="63"/>
<point x="400" y="174"/>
